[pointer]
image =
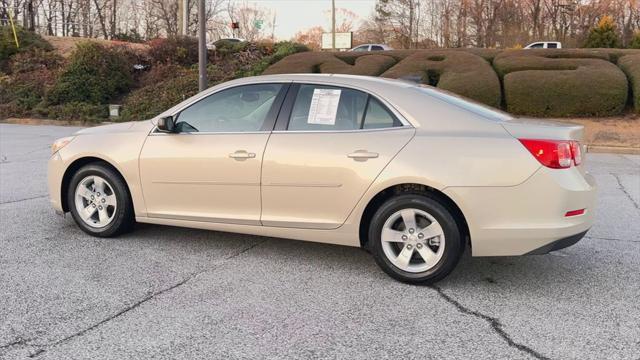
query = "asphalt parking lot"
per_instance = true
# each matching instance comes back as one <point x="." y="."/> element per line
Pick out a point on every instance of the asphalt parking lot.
<point x="163" y="292"/>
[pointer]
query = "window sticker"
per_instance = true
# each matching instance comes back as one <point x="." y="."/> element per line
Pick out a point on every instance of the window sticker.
<point x="324" y="106"/>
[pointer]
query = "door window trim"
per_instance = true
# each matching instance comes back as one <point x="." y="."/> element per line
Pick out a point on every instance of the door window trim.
<point x="267" y="126"/>
<point x="284" y="116"/>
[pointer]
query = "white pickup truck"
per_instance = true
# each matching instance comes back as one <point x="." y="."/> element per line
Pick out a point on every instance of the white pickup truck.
<point x="544" y="45"/>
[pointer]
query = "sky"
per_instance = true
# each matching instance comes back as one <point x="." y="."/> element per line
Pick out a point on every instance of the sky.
<point x="295" y="15"/>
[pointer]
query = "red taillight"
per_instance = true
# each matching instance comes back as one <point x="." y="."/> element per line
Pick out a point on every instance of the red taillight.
<point x="556" y="154"/>
<point x="574" y="213"/>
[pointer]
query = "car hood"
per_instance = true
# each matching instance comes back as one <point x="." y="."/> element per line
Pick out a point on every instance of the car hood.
<point x="126" y="127"/>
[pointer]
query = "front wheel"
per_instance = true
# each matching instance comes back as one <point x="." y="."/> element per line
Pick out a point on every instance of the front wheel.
<point x="99" y="201"/>
<point x="415" y="239"/>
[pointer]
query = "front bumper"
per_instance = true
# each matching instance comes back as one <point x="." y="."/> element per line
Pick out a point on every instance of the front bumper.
<point x="530" y="217"/>
<point x="55" y="173"/>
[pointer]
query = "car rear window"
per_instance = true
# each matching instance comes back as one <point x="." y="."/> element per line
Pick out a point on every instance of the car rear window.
<point x="475" y="107"/>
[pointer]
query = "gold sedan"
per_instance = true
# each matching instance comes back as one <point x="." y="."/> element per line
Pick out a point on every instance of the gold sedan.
<point x="411" y="173"/>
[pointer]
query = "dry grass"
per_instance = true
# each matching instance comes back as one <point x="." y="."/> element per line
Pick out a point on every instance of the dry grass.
<point x="65" y="45"/>
<point x="610" y="134"/>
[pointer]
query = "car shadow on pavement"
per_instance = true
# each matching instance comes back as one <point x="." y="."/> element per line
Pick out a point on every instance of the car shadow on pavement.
<point x="520" y="273"/>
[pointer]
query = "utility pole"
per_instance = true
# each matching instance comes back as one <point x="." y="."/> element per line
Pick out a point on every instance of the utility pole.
<point x="202" y="46"/>
<point x="180" y="17"/>
<point x="333" y="25"/>
<point x="183" y="17"/>
<point x="273" y="28"/>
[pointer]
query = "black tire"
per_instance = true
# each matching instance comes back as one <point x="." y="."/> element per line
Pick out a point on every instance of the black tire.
<point x="123" y="219"/>
<point x="454" y="242"/>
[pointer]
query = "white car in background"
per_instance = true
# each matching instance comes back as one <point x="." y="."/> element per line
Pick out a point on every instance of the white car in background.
<point x="544" y="45"/>
<point x="214" y="45"/>
<point x="372" y="47"/>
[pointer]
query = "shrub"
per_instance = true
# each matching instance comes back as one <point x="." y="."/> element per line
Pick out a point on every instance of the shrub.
<point x="23" y="91"/>
<point x="226" y="47"/>
<point x="635" y="41"/>
<point x="280" y="51"/>
<point x="28" y="40"/>
<point x="181" y="50"/>
<point x="159" y="73"/>
<point x="151" y="100"/>
<point x="559" y="83"/>
<point x="630" y="64"/>
<point x="487" y="54"/>
<point x="131" y="36"/>
<point x="604" y="35"/>
<point x="33" y="60"/>
<point x="95" y="74"/>
<point x="457" y="71"/>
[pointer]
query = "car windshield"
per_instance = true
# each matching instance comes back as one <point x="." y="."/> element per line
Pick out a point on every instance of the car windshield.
<point x="475" y="107"/>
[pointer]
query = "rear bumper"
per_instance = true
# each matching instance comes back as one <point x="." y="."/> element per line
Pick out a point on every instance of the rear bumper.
<point x="528" y="218"/>
<point x="558" y="244"/>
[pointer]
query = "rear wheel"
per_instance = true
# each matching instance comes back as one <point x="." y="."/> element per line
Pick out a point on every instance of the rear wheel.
<point x="415" y="239"/>
<point x="99" y="201"/>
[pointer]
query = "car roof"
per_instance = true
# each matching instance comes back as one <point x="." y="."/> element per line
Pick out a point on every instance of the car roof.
<point x="338" y="79"/>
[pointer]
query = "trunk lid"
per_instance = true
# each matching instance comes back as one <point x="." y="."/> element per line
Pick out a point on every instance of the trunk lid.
<point x="523" y="128"/>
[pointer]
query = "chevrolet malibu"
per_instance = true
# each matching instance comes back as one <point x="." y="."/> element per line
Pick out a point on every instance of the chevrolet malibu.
<point x="412" y="174"/>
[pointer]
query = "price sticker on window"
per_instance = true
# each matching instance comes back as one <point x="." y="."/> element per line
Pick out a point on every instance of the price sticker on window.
<point x="324" y="106"/>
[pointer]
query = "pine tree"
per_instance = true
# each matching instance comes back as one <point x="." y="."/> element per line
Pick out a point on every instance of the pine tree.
<point x="604" y="35"/>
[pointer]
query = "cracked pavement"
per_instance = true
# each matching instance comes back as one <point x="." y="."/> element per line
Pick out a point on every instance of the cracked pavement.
<point x="170" y="293"/>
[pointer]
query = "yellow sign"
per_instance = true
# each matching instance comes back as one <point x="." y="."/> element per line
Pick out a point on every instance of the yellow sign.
<point x="15" y="35"/>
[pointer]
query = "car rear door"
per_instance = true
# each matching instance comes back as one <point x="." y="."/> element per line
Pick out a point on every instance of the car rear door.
<point x="209" y="170"/>
<point x="329" y="145"/>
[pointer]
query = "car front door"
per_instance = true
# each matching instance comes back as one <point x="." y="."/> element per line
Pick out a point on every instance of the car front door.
<point x="209" y="168"/>
<point x="329" y="145"/>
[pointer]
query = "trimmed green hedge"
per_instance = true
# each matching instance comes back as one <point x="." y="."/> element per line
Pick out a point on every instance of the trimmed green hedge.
<point x="321" y="62"/>
<point x="561" y="83"/>
<point x="457" y="71"/>
<point x="630" y="64"/>
<point x="535" y="82"/>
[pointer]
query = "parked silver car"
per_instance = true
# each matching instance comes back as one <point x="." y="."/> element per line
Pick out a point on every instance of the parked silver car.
<point x="411" y="173"/>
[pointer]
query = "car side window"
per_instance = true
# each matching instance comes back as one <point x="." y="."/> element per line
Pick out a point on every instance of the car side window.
<point x="238" y="109"/>
<point x="378" y="116"/>
<point x="376" y="47"/>
<point x="362" y="48"/>
<point x="537" y="46"/>
<point x="328" y="108"/>
<point x="552" y="46"/>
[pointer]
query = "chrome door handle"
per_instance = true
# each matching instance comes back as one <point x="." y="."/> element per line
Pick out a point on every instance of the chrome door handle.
<point x="362" y="155"/>
<point x="242" y="154"/>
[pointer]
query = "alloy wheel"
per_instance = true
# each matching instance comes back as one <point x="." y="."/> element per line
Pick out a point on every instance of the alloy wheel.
<point x="95" y="201"/>
<point x="413" y="240"/>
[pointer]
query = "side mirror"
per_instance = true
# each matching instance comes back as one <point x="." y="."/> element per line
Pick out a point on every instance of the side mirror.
<point x="166" y="124"/>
